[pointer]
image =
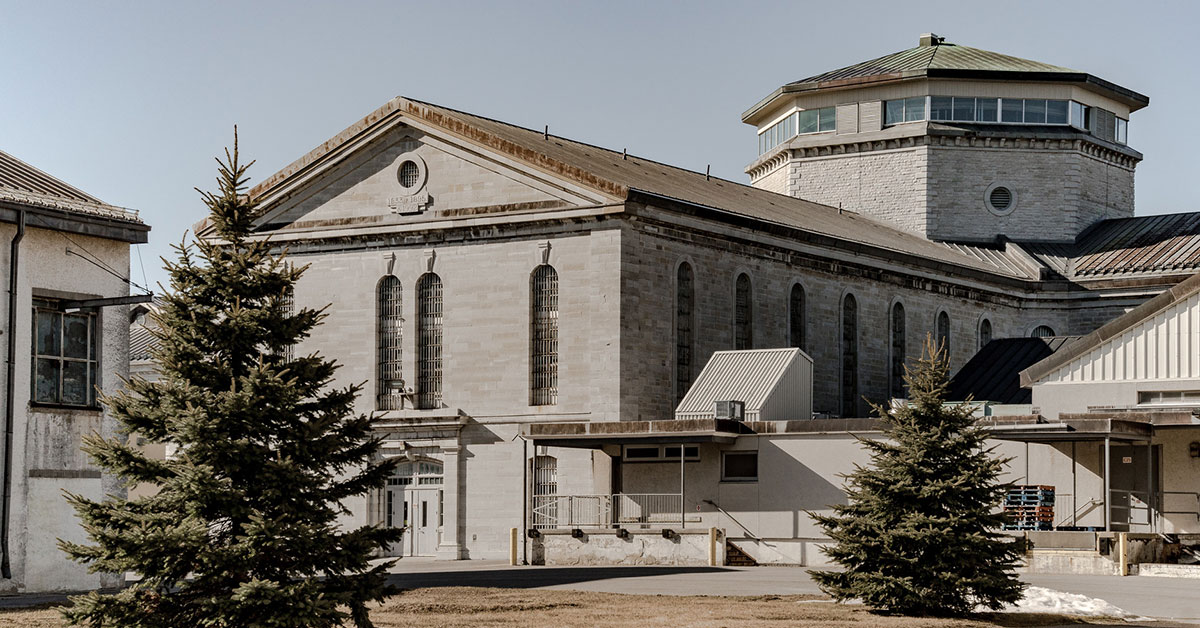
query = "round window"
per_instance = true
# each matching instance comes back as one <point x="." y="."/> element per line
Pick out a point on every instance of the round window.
<point x="410" y="174"/>
<point x="1000" y="199"/>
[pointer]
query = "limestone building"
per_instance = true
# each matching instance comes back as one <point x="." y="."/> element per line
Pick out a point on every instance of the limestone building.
<point x="486" y="278"/>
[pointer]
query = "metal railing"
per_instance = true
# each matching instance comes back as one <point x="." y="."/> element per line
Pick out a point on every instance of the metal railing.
<point x="605" y="511"/>
<point x="1132" y="503"/>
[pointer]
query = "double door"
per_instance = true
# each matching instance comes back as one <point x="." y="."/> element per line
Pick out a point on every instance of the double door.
<point x="418" y="511"/>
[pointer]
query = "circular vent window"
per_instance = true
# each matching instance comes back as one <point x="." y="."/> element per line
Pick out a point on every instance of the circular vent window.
<point x="410" y="174"/>
<point x="1000" y="199"/>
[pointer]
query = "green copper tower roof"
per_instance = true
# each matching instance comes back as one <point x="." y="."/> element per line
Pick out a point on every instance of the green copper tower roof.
<point x="935" y="58"/>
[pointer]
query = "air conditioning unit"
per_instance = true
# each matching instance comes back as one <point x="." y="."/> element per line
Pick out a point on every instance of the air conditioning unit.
<point x="735" y="410"/>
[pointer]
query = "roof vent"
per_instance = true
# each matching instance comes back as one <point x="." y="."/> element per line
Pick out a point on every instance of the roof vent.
<point x="929" y="39"/>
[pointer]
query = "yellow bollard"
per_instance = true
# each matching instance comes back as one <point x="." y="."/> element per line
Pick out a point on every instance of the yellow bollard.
<point x="512" y="546"/>
<point x="712" y="547"/>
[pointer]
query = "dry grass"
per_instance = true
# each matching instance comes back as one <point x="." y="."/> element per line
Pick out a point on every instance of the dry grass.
<point x="539" y="608"/>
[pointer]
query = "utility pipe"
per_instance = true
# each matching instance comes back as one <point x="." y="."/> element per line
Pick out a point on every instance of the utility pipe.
<point x="10" y="395"/>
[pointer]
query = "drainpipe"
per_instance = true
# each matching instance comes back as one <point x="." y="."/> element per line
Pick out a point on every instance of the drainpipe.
<point x="10" y="395"/>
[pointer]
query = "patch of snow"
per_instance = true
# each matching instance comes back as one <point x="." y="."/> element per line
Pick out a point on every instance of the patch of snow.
<point x="1043" y="600"/>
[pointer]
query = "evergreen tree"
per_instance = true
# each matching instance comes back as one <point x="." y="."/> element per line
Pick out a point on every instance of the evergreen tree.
<point x="243" y="530"/>
<point x="920" y="534"/>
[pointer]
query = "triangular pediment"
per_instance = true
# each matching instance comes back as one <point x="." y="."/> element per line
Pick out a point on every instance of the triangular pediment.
<point x="411" y="173"/>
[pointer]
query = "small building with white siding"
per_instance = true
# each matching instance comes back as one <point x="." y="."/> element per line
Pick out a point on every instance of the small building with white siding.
<point x="771" y="385"/>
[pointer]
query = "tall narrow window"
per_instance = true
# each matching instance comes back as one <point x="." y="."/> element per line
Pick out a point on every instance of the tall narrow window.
<point x="743" y="324"/>
<point x="943" y="331"/>
<point x="985" y="332"/>
<point x="684" y="305"/>
<point x="545" y="492"/>
<point x="390" y="395"/>
<point x="543" y="346"/>
<point x="796" y="316"/>
<point x="429" y="341"/>
<point x="287" y="306"/>
<point x="849" y="356"/>
<point x="899" y="352"/>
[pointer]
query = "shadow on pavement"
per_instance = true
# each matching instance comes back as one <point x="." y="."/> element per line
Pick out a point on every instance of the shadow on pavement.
<point x="524" y="578"/>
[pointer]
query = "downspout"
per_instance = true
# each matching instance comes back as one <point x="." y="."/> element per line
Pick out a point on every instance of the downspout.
<point x="10" y="395"/>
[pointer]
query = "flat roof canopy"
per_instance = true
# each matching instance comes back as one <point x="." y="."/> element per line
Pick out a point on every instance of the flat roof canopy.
<point x="1073" y="430"/>
<point x="596" y="434"/>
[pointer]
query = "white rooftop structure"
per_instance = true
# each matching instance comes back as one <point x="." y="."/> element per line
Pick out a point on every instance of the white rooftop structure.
<point x="774" y="385"/>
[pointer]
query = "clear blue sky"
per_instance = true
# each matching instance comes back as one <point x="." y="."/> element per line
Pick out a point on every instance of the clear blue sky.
<point x="130" y="101"/>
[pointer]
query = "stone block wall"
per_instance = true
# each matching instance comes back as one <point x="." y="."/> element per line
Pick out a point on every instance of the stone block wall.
<point x="889" y="185"/>
<point x="650" y="262"/>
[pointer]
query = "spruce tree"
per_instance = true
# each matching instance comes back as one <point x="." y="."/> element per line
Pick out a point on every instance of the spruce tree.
<point x="243" y="530"/>
<point x="920" y="534"/>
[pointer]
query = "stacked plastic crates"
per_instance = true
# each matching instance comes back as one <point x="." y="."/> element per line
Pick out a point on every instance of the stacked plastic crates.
<point x="1030" y="506"/>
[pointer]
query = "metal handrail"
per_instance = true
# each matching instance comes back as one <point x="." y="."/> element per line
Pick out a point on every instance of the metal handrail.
<point x="606" y="510"/>
<point x="733" y="519"/>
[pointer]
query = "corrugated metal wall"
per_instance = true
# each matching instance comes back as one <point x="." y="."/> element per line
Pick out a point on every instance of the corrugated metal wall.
<point x="1166" y="346"/>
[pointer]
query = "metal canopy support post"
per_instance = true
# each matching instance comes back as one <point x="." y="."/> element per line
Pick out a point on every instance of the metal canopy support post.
<point x="1151" y="519"/>
<point x="1074" y="487"/>
<point x="682" y="459"/>
<point x="1107" y="484"/>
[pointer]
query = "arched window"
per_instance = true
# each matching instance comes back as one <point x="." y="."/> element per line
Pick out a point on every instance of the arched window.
<point x="743" y="323"/>
<point x="429" y="341"/>
<point x="899" y="352"/>
<point x="684" y="306"/>
<point x="849" y="356"/>
<point x="796" y="316"/>
<point x="1042" y="331"/>
<point x="985" y="332"/>
<point x="390" y="395"/>
<point x="943" y="331"/>
<point x="543" y="345"/>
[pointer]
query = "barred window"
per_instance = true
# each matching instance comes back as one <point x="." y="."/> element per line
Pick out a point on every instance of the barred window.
<point x="743" y="323"/>
<point x="1042" y="331"/>
<point x="849" y="356"/>
<point x="985" y="332"/>
<point x="684" y="305"/>
<point x="943" y="332"/>
<point x="65" y="362"/>
<point x="287" y="307"/>
<point x="429" y="341"/>
<point x="797" y="316"/>
<point x="391" y="335"/>
<point x="543" y="345"/>
<point x="899" y="351"/>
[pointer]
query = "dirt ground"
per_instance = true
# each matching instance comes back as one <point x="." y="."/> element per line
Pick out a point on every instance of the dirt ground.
<point x="534" y="608"/>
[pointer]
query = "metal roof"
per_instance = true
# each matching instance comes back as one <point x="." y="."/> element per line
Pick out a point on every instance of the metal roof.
<point x="944" y="56"/>
<point x="994" y="373"/>
<point x="22" y="183"/>
<point x="1168" y="242"/>
<point x="748" y="376"/>
<point x="942" y="59"/>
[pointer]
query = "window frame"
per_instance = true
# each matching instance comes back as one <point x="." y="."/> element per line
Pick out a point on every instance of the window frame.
<point x="691" y="453"/>
<point x="685" y="328"/>
<point x="739" y="479"/>
<point x="544" y="296"/>
<point x="898" y="347"/>
<point x="389" y="342"/>
<point x="93" y="376"/>
<point x="431" y="323"/>
<point x="743" y="312"/>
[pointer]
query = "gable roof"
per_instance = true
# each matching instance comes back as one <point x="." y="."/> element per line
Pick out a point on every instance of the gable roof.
<point x="23" y="184"/>
<point x="994" y="373"/>
<point x="947" y="60"/>
<point x="753" y="377"/>
<point x="631" y="178"/>
<point x="1168" y="298"/>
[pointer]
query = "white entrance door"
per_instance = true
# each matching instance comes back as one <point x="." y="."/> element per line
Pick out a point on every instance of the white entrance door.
<point x="422" y="509"/>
